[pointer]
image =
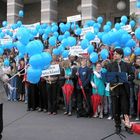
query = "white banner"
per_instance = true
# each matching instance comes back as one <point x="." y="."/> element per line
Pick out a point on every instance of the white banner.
<point x="74" y="18"/>
<point x="52" y="70"/>
<point x="77" y="50"/>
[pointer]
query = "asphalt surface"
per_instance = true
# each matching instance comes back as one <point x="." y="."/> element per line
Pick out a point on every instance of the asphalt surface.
<point x="22" y="125"/>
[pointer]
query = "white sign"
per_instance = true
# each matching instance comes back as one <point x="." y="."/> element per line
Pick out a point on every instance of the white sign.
<point x="6" y="40"/>
<point x="77" y="50"/>
<point x="86" y="30"/>
<point x="74" y="18"/>
<point x="31" y="26"/>
<point x="127" y="28"/>
<point x="52" y="70"/>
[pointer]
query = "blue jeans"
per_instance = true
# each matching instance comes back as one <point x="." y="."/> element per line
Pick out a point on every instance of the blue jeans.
<point x="13" y="93"/>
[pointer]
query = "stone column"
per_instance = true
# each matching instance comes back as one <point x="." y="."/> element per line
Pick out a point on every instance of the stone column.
<point x="13" y="8"/>
<point x="89" y="10"/>
<point x="48" y="11"/>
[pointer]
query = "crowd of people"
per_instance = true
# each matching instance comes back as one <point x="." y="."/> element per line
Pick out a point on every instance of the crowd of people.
<point x="48" y="93"/>
<point x="81" y="88"/>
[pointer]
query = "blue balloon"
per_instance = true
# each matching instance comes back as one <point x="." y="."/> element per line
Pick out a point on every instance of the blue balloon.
<point x="78" y="31"/>
<point x="109" y="23"/>
<point x="106" y="39"/>
<point x="2" y="35"/>
<point x="65" y="42"/>
<point x="137" y="33"/>
<point x="23" y="35"/>
<point x="19" y="23"/>
<point x="4" y="23"/>
<point x="38" y="26"/>
<point x="117" y="26"/>
<point x="44" y="37"/>
<point x="52" y="41"/>
<point x="44" y="25"/>
<point x="124" y="19"/>
<point x="47" y="58"/>
<point x="137" y="51"/>
<point x="71" y="41"/>
<point x="138" y="4"/>
<point x="131" y="43"/>
<point x="100" y="20"/>
<point x="54" y="28"/>
<point x="127" y="51"/>
<point x="47" y="30"/>
<point x="93" y="57"/>
<point x="90" y="36"/>
<point x="34" y="47"/>
<point x="90" y="23"/>
<point x="67" y="26"/>
<point x="104" y="54"/>
<point x="21" y="48"/>
<point x="33" y="75"/>
<point x="61" y="48"/>
<point x="41" y="31"/>
<point x="84" y="44"/>
<point x="6" y="62"/>
<point x="56" y="51"/>
<point x="132" y="23"/>
<point x="90" y="49"/>
<point x="36" y="61"/>
<point x="65" y="53"/>
<point x="63" y="28"/>
<point x="56" y="34"/>
<point x="1" y="51"/>
<point x="60" y="37"/>
<point x="66" y="34"/>
<point x="106" y="28"/>
<point x="125" y="38"/>
<point x="14" y="26"/>
<point x="21" y="13"/>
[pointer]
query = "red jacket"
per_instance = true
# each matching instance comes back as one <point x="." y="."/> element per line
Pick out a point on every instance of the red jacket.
<point x="136" y="128"/>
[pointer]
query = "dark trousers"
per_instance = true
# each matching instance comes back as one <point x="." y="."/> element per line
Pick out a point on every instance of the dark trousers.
<point x="32" y="96"/>
<point x="86" y="107"/>
<point x="43" y="101"/>
<point x="52" y="97"/>
<point x="1" y="119"/>
<point x="120" y="103"/>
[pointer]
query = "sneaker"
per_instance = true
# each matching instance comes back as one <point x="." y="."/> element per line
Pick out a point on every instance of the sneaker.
<point x="101" y="116"/>
<point x="54" y="113"/>
<point x="39" y="110"/>
<point x="137" y="119"/>
<point x="95" y="115"/>
<point x="109" y="117"/>
<point x="69" y="114"/>
<point x="65" y="113"/>
<point x="49" y="113"/>
<point x="44" y="110"/>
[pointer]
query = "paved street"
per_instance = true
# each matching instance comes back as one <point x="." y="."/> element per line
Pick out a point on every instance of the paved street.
<point x="22" y="125"/>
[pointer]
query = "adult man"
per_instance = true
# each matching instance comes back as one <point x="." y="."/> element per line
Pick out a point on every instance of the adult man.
<point x="120" y="92"/>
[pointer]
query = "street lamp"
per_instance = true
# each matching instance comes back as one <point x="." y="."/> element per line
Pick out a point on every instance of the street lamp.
<point x="121" y="5"/>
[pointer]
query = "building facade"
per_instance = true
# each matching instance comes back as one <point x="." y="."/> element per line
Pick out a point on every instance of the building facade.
<point x="48" y="11"/>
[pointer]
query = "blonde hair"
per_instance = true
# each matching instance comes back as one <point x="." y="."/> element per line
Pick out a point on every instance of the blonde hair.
<point x="66" y="63"/>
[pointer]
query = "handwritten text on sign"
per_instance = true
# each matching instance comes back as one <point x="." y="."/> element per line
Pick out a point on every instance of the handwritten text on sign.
<point x="74" y="18"/>
<point x="77" y="50"/>
<point x="52" y="70"/>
